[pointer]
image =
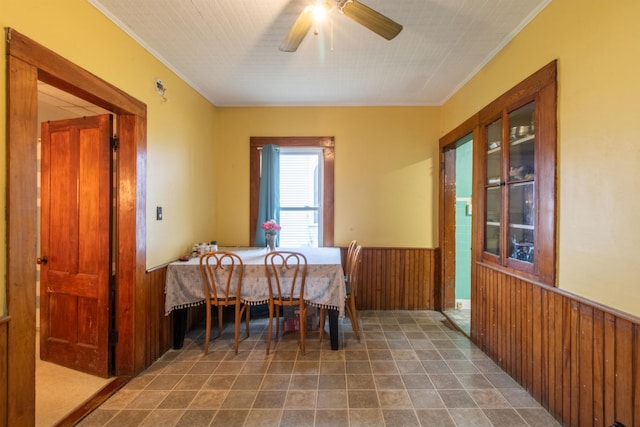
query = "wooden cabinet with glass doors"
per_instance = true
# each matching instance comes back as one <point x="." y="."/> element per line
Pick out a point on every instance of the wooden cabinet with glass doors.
<point x="517" y="157"/>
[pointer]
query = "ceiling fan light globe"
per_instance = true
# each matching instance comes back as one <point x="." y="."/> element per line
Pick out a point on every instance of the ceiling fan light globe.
<point x="321" y="11"/>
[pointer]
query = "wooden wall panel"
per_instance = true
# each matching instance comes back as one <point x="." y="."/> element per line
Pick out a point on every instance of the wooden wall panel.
<point x="399" y="279"/>
<point x="624" y="377"/>
<point x="636" y="373"/>
<point x="159" y="336"/>
<point x="159" y="329"/>
<point x="609" y="366"/>
<point x="579" y="359"/>
<point x="598" y="367"/>
<point x="585" y="365"/>
<point x="555" y="356"/>
<point x="3" y="371"/>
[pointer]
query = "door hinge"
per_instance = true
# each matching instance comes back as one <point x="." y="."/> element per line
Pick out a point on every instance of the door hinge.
<point x="115" y="143"/>
<point x="113" y="337"/>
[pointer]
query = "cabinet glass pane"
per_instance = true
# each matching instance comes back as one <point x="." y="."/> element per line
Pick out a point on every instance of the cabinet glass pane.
<point x="494" y="131"/>
<point x="492" y="225"/>
<point x="521" y="143"/>
<point x="521" y="221"/>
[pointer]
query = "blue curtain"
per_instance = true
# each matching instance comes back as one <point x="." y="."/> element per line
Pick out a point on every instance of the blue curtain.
<point x="269" y="203"/>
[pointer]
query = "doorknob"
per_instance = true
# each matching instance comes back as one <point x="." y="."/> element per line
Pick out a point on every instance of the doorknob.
<point x="42" y="260"/>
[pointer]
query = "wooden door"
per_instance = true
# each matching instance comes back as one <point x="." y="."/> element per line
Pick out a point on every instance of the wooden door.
<point x="75" y="243"/>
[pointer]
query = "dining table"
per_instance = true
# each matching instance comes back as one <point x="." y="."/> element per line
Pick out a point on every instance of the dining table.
<point x="324" y="287"/>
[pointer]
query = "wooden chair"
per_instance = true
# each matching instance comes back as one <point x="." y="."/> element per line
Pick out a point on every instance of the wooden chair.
<point x="222" y="279"/>
<point x="350" y="249"/>
<point x="348" y="259"/>
<point x="351" y="287"/>
<point x="286" y="273"/>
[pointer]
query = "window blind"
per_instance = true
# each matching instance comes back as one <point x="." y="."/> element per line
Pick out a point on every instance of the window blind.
<point x="300" y="197"/>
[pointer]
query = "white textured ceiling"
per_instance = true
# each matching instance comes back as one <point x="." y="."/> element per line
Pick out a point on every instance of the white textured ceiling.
<point x="228" y="49"/>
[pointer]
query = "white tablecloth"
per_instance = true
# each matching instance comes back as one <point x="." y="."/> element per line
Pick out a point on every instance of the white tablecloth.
<point x="324" y="285"/>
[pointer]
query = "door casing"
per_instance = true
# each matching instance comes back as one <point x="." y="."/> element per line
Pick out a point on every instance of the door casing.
<point x="445" y="299"/>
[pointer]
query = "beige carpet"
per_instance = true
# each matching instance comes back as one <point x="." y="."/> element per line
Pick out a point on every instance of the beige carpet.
<point x="60" y="390"/>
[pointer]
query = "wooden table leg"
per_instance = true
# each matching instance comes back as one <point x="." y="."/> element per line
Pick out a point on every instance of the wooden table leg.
<point x="333" y="328"/>
<point x="179" y="327"/>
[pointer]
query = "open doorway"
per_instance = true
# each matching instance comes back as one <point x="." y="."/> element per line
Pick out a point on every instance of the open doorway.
<point x="27" y="63"/>
<point x="59" y="390"/>
<point x="457" y="181"/>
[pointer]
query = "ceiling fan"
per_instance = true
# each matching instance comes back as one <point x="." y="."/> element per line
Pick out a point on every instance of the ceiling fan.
<point x="353" y="9"/>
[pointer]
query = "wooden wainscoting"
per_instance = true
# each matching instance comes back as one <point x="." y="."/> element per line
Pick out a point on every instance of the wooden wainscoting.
<point x="159" y="337"/>
<point x="580" y="360"/>
<point x="4" y="381"/>
<point x="399" y="279"/>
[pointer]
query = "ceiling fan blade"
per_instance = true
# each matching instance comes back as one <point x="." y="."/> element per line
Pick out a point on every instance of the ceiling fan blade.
<point x="298" y="31"/>
<point x="371" y="19"/>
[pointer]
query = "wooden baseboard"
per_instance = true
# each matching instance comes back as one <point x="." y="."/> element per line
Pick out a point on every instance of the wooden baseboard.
<point x="93" y="402"/>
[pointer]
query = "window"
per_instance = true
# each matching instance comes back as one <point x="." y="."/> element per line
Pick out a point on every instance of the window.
<point x="299" y="214"/>
<point x="300" y="197"/>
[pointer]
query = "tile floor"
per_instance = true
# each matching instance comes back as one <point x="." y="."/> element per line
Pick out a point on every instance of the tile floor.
<point x="462" y="319"/>
<point x="410" y="369"/>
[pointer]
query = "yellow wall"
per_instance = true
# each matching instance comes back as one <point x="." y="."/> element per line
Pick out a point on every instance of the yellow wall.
<point x="386" y="158"/>
<point x="386" y="170"/>
<point x="596" y="44"/>
<point x="180" y="131"/>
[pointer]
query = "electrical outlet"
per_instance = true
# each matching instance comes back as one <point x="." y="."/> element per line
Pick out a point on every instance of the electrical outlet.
<point x="159" y="213"/>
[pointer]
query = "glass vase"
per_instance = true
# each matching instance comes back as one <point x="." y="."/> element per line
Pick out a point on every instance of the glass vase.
<point x="271" y="242"/>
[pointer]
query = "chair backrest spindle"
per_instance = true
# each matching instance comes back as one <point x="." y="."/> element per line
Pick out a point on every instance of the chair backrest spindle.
<point x="352" y="246"/>
<point x="353" y="270"/>
<point x="220" y="270"/>
<point x="282" y="266"/>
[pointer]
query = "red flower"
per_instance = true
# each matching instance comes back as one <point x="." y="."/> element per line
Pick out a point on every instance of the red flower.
<point x="270" y="227"/>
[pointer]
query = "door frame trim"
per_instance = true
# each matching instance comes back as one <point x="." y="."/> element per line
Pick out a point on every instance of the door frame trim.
<point x="28" y="62"/>
<point x="447" y="143"/>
